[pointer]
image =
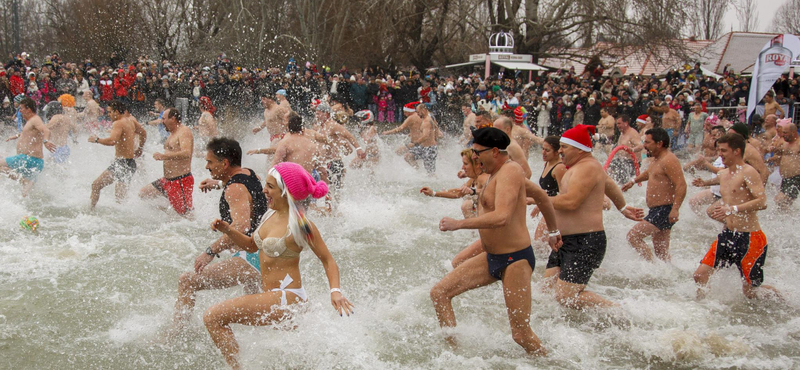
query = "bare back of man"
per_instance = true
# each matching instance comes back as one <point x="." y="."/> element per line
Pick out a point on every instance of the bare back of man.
<point x="297" y="148"/>
<point x="525" y="138"/>
<point x="124" y="132"/>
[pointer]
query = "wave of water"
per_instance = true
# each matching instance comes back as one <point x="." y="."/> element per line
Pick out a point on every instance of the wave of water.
<point x="94" y="289"/>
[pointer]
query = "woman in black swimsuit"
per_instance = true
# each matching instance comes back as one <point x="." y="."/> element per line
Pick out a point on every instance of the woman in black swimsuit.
<point x="551" y="176"/>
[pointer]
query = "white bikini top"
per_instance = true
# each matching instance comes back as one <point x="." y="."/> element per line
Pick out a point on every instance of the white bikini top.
<point x="274" y="247"/>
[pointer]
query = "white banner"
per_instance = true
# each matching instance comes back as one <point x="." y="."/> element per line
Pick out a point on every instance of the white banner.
<point x="775" y="58"/>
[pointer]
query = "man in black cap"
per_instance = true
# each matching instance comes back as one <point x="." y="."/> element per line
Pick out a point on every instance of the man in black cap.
<point x="507" y="254"/>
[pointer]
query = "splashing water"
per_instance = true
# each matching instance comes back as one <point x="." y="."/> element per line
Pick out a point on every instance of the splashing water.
<point x="94" y="290"/>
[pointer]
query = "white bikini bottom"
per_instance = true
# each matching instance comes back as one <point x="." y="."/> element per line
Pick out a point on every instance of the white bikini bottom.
<point x="300" y="292"/>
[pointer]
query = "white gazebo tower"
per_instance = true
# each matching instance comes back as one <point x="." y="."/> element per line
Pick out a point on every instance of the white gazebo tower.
<point x="501" y="53"/>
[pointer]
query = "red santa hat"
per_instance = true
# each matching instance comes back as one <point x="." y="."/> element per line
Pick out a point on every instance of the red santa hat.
<point x="642" y="119"/>
<point x="410" y="107"/>
<point x="580" y="137"/>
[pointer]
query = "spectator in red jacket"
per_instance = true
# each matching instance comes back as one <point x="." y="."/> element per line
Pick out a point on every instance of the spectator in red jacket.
<point x="106" y="89"/>
<point x="17" y="83"/>
<point x="121" y="85"/>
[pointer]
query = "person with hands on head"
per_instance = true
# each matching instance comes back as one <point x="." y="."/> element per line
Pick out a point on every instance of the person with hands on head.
<point x="506" y="253"/>
<point x="29" y="161"/>
<point x="470" y="189"/>
<point x="579" y="212"/>
<point x="279" y="239"/>
<point x="122" y="137"/>
<point x="666" y="189"/>
<point x="241" y="205"/>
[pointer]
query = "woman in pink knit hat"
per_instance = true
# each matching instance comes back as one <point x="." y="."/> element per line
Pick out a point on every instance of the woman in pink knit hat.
<point x="282" y="235"/>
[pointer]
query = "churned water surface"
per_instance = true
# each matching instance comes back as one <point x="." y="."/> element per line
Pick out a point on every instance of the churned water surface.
<point x="93" y="290"/>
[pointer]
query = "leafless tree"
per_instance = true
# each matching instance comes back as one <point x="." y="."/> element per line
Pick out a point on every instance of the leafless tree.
<point x="787" y="19"/>
<point x="705" y="17"/>
<point x="747" y="14"/>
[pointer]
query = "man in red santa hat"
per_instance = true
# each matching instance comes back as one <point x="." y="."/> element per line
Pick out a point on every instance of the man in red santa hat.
<point x="579" y="214"/>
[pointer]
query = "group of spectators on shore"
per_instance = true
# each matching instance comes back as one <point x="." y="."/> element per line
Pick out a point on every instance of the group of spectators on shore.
<point x="555" y="101"/>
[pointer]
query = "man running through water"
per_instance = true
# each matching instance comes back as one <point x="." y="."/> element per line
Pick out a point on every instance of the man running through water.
<point x="339" y="139"/>
<point x="622" y="166"/>
<point x="741" y="243"/>
<point x="789" y="156"/>
<point x="178" y="183"/>
<point x="579" y="213"/>
<point x="469" y="121"/>
<point x="298" y="147"/>
<point x="423" y="145"/>
<point x="274" y="114"/>
<point x="122" y="138"/>
<point x="29" y="161"/>
<point x="521" y="134"/>
<point x="666" y="189"/>
<point x="241" y="205"/>
<point x="60" y="126"/>
<point x="508" y="255"/>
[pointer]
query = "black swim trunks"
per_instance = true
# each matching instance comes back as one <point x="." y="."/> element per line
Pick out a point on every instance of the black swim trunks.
<point x="790" y="186"/>
<point x="499" y="262"/>
<point x="659" y="217"/>
<point x="122" y="169"/>
<point x="428" y="156"/>
<point x="580" y="255"/>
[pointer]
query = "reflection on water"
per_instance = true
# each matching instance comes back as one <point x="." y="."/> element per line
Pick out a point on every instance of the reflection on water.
<point x="93" y="290"/>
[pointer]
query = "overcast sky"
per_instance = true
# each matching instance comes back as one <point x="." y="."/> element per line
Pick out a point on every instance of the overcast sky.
<point x="766" y="11"/>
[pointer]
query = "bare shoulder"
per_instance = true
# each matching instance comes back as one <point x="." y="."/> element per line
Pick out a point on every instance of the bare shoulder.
<point x="511" y="169"/>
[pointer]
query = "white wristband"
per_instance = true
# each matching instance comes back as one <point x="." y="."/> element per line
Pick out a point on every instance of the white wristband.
<point x="554" y="233"/>
<point x="335" y="290"/>
<point x="219" y="184"/>
<point x="735" y="209"/>
<point x="434" y="194"/>
<point x="623" y="208"/>
<point x="359" y="148"/>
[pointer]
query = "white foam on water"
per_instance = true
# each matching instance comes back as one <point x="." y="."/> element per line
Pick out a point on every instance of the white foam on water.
<point x="95" y="289"/>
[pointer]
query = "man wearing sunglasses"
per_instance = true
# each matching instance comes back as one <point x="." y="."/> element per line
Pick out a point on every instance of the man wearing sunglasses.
<point x="506" y="253"/>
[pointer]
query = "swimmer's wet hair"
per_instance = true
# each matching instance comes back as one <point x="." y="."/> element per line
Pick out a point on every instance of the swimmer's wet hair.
<point x="659" y="135"/>
<point x="554" y="141"/>
<point x="734" y="141"/>
<point x="118" y="106"/>
<point x="174" y="113"/>
<point x="226" y="148"/>
<point x="295" y="123"/>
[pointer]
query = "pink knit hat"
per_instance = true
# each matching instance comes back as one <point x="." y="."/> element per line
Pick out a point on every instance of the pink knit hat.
<point x="298" y="182"/>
